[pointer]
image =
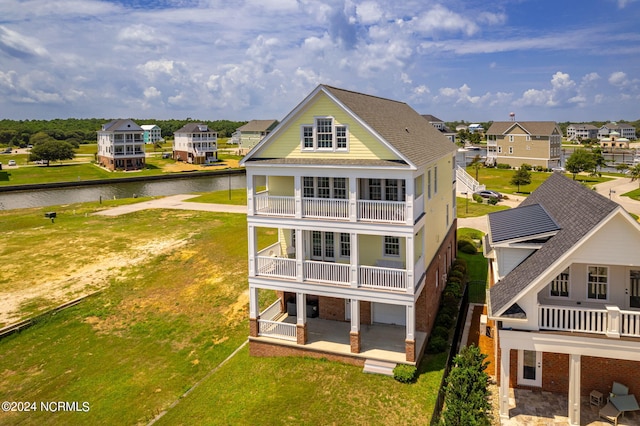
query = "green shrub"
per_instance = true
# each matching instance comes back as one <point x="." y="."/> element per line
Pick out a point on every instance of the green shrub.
<point x="478" y="199"/>
<point x="492" y="200"/>
<point x="440" y="331"/>
<point x="525" y="166"/>
<point x="503" y="166"/>
<point x="454" y="288"/>
<point x="436" y="345"/>
<point x="460" y="265"/>
<point x="404" y="373"/>
<point x="467" y="247"/>
<point x="444" y="320"/>
<point x="455" y="273"/>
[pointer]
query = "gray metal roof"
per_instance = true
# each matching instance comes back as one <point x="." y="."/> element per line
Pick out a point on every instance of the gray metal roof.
<point x="542" y="128"/>
<point x="258" y="126"/>
<point x="576" y="209"/>
<point x="121" y="125"/>
<point x="195" y="128"/>
<point x="527" y="221"/>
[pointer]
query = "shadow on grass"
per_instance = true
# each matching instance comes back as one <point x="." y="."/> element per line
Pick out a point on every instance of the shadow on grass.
<point x="4" y="176"/>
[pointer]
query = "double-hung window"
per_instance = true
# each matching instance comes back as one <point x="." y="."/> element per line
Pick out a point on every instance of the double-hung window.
<point x="324" y="135"/>
<point x="345" y="244"/>
<point x="391" y="246"/>
<point x="597" y="282"/>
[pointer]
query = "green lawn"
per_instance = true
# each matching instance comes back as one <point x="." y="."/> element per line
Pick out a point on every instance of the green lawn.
<point x="635" y="194"/>
<point x="477" y="268"/>
<point x="163" y="324"/>
<point x="499" y="179"/>
<point x="467" y="207"/>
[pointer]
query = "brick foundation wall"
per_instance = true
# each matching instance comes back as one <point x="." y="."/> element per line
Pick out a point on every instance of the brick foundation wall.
<point x="599" y="374"/>
<point x="264" y="349"/>
<point x="331" y="308"/>
<point x="354" y="340"/>
<point x="429" y="300"/>
<point x="555" y="372"/>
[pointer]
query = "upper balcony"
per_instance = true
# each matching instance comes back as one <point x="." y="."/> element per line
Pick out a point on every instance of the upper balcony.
<point x="333" y="208"/>
<point x="609" y="320"/>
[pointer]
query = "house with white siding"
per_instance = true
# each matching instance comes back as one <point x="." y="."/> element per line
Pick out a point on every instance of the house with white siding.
<point x="121" y="145"/>
<point x="564" y="297"/>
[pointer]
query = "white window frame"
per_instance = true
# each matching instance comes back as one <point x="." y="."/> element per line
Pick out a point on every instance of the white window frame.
<point x="338" y="142"/>
<point x="510" y="138"/>
<point x="388" y="246"/>
<point x="591" y="282"/>
<point x="345" y="245"/>
<point x="561" y="283"/>
<point x="537" y="382"/>
<point x="510" y="150"/>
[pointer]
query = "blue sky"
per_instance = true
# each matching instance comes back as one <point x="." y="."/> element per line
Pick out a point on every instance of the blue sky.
<point x="477" y="60"/>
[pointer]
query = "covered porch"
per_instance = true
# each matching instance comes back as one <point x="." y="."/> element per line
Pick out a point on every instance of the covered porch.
<point x="383" y="342"/>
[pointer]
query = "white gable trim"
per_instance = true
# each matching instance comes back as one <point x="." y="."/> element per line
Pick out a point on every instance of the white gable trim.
<point x="286" y="122"/>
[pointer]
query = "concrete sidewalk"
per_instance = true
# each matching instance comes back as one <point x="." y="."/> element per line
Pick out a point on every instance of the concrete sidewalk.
<point x="176" y="202"/>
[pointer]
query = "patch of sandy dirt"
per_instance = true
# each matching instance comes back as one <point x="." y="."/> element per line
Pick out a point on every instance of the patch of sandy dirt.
<point x="180" y="166"/>
<point x="83" y="281"/>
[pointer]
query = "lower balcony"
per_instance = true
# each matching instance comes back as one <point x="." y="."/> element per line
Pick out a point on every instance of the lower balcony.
<point x="374" y="277"/>
<point x="610" y="321"/>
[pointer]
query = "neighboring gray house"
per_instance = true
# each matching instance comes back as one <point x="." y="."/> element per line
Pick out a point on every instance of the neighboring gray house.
<point x="247" y="136"/>
<point x="564" y="298"/>
<point x="625" y="130"/>
<point x="439" y="124"/>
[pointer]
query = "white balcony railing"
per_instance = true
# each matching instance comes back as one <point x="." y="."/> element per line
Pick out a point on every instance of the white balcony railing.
<point x="325" y="208"/>
<point x="382" y="278"/>
<point x="563" y="318"/>
<point x="276" y="267"/>
<point x="381" y="211"/>
<point x="630" y="324"/>
<point x="334" y="208"/>
<point x="610" y="321"/>
<point x="275" y="205"/>
<point x="327" y="272"/>
<point x="272" y="312"/>
<point x="280" y="330"/>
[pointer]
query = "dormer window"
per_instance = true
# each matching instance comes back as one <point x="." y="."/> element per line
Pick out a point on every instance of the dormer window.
<point x="324" y="135"/>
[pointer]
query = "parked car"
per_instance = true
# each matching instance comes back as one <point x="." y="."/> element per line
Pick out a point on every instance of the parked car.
<point x="12" y="162"/>
<point x="488" y="194"/>
<point x="7" y="151"/>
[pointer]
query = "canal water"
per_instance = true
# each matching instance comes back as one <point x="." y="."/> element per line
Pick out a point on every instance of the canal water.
<point x="81" y="194"/>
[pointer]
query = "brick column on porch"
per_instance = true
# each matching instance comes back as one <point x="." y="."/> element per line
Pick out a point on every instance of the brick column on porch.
<point x="410" y="350"/>
<point x="354" y="339"/>
<point x="253" y="327"/>
<point x="301" y="334"/>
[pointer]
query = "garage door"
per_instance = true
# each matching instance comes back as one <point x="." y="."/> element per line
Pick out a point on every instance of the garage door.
<point x="389" y="314"/>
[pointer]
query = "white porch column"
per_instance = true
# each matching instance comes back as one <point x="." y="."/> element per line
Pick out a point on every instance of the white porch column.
<point x="297" y="192"/>
<point x="250" y="194"/>
<point x="410" y="199"/>
<point x="301" y="306"/>
<point x="353" y="199"/>
<point x="251" y="237"/>
<point x="354" y="334"/>
<point x="411" y="322"/>
<point x="353" y="260"/>
<point x="410" y="264"/>
<point x="254" y="312"/>
<point x="504" y="383"/>
<point x="300" y="242"/>
<point x="301" y="320"/>
<point x="574" y="389"/>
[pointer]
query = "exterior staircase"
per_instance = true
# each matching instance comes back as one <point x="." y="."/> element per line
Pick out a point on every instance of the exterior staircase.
<point x="379" y="367"/>
<point x="466" y="183"/>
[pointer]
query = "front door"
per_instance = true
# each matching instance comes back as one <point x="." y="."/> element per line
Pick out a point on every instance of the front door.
<point x="530" y="368"/>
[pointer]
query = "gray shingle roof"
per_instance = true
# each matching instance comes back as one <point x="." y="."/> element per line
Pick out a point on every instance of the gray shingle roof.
<point x="576" y="209"/>
<point x="398" y="124"/>
<point x="533" y="127"/>
<point x="121" y="125"/>
<point x="195" y="128"/>
<point x="258" y="126"/>
<point x="526" y="221"/>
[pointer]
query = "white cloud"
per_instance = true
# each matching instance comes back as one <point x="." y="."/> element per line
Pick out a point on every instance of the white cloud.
<point x="369" y="12"/>
<point x="440" y="19"/>
<point x="618" y="79"/>
<point x="16" y="44"/>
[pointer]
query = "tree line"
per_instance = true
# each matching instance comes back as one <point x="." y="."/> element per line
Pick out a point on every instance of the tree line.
<point x="19" y="133"/>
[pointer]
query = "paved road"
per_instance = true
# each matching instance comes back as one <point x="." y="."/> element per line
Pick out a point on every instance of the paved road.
<point x="173" y="202"/>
